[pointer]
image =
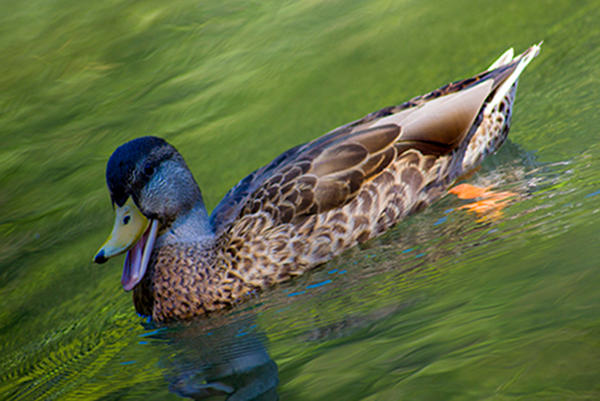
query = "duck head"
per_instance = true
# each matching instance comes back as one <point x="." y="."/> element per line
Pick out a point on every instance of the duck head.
<point x="150" y="186"/>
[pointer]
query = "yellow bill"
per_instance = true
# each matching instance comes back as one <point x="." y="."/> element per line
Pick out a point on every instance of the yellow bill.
<point x="128" y="228"/>
<point x="134" y="233"/>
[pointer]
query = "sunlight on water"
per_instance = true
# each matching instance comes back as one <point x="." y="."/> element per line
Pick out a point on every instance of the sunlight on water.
<point x="447" y="305"/>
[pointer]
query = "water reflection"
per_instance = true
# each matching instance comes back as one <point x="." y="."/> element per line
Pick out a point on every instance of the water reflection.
<point x="226" y="360"/>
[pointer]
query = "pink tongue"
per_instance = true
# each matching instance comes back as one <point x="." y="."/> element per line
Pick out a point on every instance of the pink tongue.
<point x="132" y="269"/>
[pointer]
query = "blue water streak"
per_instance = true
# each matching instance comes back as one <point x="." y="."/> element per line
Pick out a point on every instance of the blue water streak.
<point x="322" y="283"/>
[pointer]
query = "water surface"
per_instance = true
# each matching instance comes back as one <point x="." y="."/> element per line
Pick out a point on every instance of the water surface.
<point x="446" y="306"/>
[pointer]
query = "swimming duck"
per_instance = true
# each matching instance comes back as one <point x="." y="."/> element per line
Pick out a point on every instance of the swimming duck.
<point x="306" y="206"/>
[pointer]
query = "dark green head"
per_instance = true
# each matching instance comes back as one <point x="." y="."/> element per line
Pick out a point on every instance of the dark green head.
<point x="155" y="176"/>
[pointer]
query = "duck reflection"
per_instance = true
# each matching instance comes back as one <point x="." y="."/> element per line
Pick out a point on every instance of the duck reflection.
<point x="225" y="361"/>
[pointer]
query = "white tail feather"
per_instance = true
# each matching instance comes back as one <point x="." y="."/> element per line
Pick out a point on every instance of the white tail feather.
<point x="505" y="58"/>
<point x="503" y="89"/>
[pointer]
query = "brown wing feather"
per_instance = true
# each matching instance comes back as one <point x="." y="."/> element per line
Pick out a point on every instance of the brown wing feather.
<point x="497" y="76"/>
<point x="326" y="175"/>
<point x="443" y="122"/>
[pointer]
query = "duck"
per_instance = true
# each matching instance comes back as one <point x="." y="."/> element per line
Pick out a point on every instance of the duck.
<point x="303" y="208"/>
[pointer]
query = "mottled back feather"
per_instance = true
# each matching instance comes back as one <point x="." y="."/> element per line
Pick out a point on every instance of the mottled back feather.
<point x="324" y="175"/>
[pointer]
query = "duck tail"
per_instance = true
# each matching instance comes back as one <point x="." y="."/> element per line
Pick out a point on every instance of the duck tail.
<point x="522" y="61"/>
<point x="506" y="58"/>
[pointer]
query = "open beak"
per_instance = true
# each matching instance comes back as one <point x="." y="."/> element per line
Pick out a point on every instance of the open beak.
<point x="132" y="233"/>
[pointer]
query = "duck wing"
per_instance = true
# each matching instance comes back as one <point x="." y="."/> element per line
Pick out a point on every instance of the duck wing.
<point x="228" y="209"/>
<point x="325" y="175"/>
<point x="330" y="171"/>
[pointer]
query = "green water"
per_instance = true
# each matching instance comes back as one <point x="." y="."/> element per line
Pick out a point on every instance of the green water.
<point x="443" y="307"/>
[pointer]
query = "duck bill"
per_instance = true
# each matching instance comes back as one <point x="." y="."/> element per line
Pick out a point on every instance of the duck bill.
<point x="132" y="233"/>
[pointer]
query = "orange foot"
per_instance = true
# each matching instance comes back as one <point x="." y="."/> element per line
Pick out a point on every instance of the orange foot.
<point x="490" y="203"/>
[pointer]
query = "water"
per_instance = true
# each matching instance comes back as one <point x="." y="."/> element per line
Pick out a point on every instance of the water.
<point x="445" y="306"/>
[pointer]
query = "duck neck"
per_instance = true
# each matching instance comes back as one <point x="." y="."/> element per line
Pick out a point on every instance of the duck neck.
<point x="193" y="226"/>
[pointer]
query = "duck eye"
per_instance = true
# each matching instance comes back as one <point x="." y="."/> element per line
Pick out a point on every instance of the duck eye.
<point x="148" y="169"/>
<point x="126" y="219"/>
